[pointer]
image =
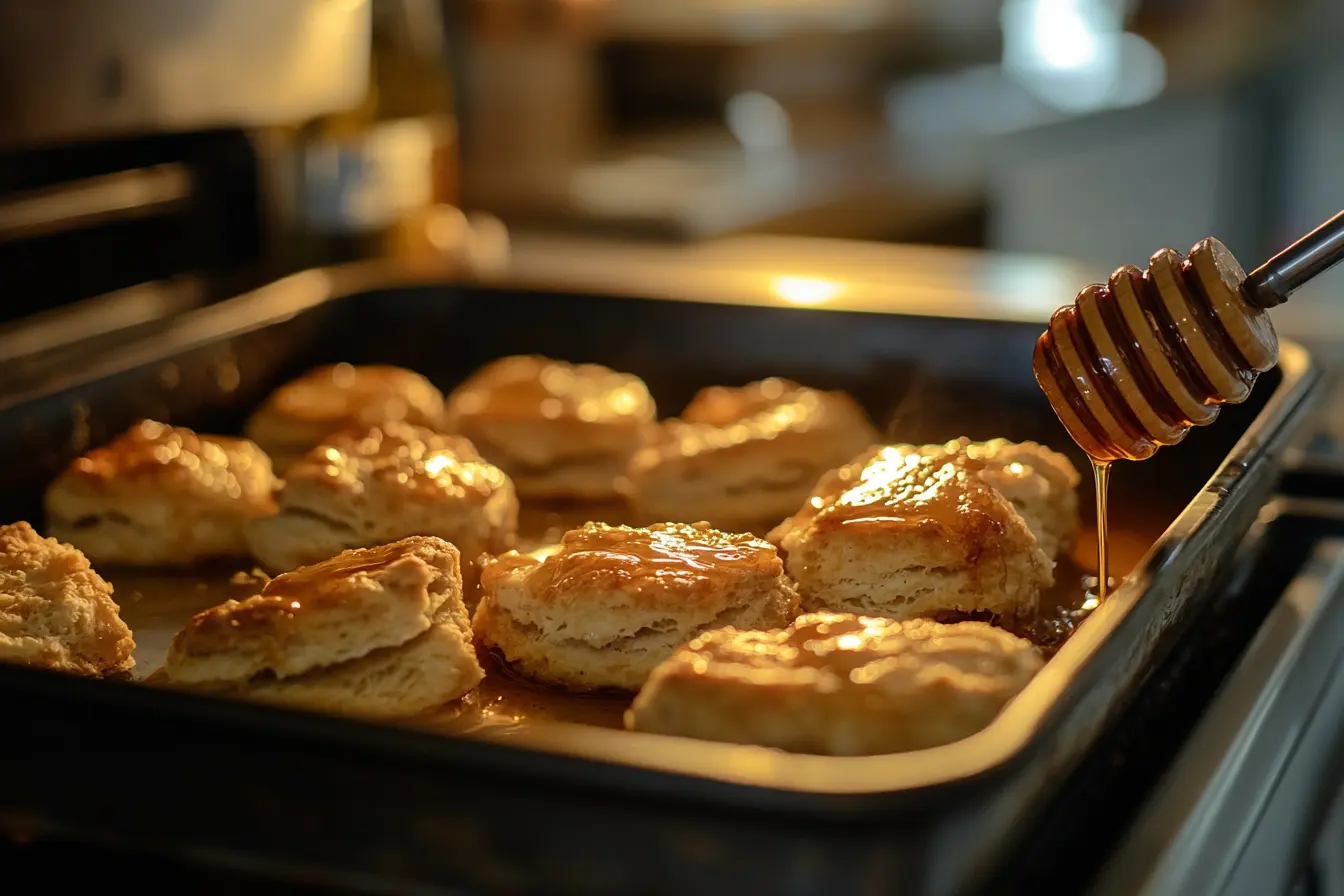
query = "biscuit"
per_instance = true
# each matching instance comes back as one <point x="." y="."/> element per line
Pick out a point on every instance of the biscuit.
<point x="322" y="615"/>
<point x="432" y="669"/>
<point x="837" y="685"/>
<point x="55" y="611"/>
<point x="161" y="496"/>
<point x="906" y="531"/>
<point x="388" y="482"/>
<point x="742" y="457"/>
<point x="559" y="430"/>
<point x="613" y="601"/>
<point x="302" y="413"/>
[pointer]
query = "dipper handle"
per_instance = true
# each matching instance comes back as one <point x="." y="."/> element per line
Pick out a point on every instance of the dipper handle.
<point x="1317" y="252"/>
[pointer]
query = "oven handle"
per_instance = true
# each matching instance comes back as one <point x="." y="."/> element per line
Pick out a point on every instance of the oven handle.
<point x="1237" y="811"/>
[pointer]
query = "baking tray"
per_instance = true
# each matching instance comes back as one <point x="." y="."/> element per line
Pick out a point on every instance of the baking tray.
<point x="577" y="808"/>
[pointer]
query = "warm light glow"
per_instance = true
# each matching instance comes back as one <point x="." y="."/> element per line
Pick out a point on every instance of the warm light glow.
<point x="545" y="551"/>
<point x="437" y="464"/>
<point x="805" y="290"/>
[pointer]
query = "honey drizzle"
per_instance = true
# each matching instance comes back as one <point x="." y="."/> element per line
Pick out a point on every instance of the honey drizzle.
<point x="1101" y="479"/>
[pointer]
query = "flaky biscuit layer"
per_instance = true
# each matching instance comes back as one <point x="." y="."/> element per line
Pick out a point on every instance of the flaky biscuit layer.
<point x="55" y="611"/>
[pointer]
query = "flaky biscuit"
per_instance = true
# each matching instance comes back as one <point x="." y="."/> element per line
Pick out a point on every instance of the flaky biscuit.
<point x="431" y="669"/>
<point x="55" y="611"/>
<point x="361" y="489"/>
<point x="613" y="601"/>
<point x="746" y="456"/>
<point x="1041" y="484"/>
<point x="837" y="685"/>
<point x="323" y="615"/>
<point x="161" y="495"/>
<point x="558" y="430"/>
<point x="907" y="531"/>
<point x="303" y="412"/>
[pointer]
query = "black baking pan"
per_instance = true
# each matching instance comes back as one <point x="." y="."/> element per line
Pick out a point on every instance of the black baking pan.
<point x="578" y="808"/>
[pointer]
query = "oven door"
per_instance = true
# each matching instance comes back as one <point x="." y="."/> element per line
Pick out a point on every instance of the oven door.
<point x="1254" y="803"/>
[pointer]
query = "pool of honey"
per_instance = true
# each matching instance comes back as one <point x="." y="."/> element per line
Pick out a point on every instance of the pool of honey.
<point x="155" y="604"/>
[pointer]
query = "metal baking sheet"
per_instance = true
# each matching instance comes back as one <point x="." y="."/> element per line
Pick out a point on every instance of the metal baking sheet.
<point x="605" y="811"/>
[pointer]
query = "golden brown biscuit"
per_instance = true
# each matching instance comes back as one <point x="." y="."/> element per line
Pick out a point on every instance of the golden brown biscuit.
<point x="432" y="669"/>
<point x="747" y="456"/>
<point x="837" y="685"/>
<point x="302" y="413"/>
<point x="55" y="611"/>
<point x="614" y="601"/>
<point x="385" y="483"/>
<point x="907" y="531"/>
<point x="161" y="495"/>
<point x="378" y="633"/>
<point x="322" y="615"/>
<point x="559" y="430"/>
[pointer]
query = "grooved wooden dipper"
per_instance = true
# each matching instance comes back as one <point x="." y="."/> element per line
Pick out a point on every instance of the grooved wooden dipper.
<point x="1137" y="361"/>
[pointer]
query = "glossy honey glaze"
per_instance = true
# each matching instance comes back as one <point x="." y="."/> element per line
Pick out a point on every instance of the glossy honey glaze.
<point x="941" y="489"/>
<point x="531" y="387"/>
<point x="1133" y="364"/>
<point x="334" y="573"/>
<point x="227" y="468"/>
<point x="665" y="555"/>
<point x="415" y="461"/>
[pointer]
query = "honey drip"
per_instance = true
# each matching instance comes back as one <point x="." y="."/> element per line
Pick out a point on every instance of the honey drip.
<point x="1101" y="477"/>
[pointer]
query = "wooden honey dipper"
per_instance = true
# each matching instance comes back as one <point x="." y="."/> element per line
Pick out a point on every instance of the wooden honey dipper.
<point x="1133" y="364"/>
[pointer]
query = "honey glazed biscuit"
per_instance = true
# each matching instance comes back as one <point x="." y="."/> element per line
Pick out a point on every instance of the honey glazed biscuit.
<point x="302" y="413"/>
<point x="746" y="457"/>
<point x="906" y="531"/>
<point x="161" y="495"/>
<point x="613" y="601"/>
<point x="837" y="684"/>
<point x="376" y="632"/>
<point x="560" y="431"/>
<point x="360" y="489"/>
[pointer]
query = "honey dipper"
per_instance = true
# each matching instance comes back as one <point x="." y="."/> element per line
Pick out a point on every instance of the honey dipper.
<point x="1136" y="362"/>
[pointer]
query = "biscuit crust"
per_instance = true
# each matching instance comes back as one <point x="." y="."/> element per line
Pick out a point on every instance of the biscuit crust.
<point x="432" y="669"/>
<point x="303" y="412"/>
<point x="906" y="531"/>
<point x="838" y="685"/>
<point x="746" y="456"/>
<point x="367" y="488"/>
<point x="55" y="611"/>
<point x="323" y="615"/>
<point x="558" y="430"/>
<point x="1041" y="484"/>
<point x="161" y="495"/>
<point x="614" y="601"/>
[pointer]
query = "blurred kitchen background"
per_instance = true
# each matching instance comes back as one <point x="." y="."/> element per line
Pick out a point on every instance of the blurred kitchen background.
<point x="266" y="137"/>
